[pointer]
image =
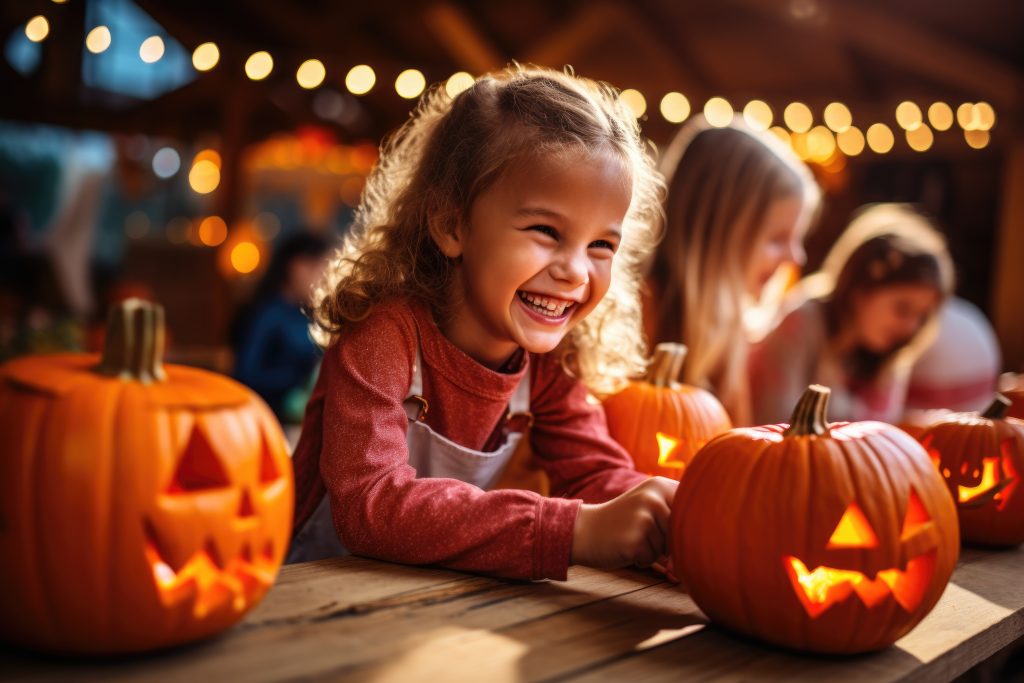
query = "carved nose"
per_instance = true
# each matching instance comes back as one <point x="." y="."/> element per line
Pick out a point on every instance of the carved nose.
<point x="245" y="507"/>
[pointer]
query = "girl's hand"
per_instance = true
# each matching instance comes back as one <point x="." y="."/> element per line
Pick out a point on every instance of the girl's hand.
<point x="629" y="530"/>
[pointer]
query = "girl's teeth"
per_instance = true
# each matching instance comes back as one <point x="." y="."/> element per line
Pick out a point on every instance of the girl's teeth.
<point x="545" y="305"/>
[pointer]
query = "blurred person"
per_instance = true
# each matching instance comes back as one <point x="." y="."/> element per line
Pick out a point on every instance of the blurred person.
<point x="859" y="323"/>
<point x="274" y="354"/>
<point x="739" y="203"/>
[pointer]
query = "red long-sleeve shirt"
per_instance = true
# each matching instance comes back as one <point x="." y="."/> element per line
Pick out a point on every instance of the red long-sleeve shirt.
<point x="353" y="444"/>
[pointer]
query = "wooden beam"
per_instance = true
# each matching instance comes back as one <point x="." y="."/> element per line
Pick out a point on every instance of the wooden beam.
<point x="1008" y="288"/>
<point x="462" y="38"/>
<point x="916" y="49"/>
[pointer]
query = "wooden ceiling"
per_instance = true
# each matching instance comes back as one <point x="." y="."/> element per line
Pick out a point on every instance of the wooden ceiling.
<point x="870" y="54"/>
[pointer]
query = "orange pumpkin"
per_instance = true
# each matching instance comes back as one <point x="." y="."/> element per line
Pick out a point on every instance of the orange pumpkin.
<point x="661" y="422"/>
<point x="815" y="536"/>
<point x="981" y="458"/>
<point x="141" y="506"/>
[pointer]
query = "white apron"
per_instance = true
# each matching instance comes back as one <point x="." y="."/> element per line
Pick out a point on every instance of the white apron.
<point x="431" y="455"/>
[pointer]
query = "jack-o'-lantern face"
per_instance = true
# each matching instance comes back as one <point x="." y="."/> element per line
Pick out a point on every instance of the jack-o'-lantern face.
<point x="224" y="558"/>
<point x="661" y="423"/>
<point x="981" y="459"/>
<point x="832" y="537"/>
<point x="820" y="588"/>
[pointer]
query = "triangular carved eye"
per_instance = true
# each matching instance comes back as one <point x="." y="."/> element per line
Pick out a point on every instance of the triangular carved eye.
<point x="199" y="467"/>
<point x="916" y="516"/>
<point x="268" y="468"/>
<point x="853" y="531"/>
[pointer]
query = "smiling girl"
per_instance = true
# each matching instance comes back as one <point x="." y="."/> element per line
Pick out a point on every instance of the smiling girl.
<point x="492" y="273"/>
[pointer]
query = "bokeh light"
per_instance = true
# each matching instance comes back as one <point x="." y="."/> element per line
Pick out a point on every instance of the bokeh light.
<point x="458" y="82"/>
<point x="758" y="115"/>
<point x="166" y="162"/>
<point x="37" y="28"/>
<point x="204" y="176"/>
<point x="360" y="79"/>
<point x="98" y="40"/>
<point x="940" y="115"/>
<point x="880" y="138"/>
<point x="310" y="74"/>
<point x="851" y="141"/>
<point x="718" y="112"/>
<point x="798" y="117"/>
<point x="245" y="257"/>
<point x="152" y="49"/>
<point x="205" y="56"/>
<point x="978" y="139"/>
<point x="908" y="115"/>
<point x="837" y="116"/>
<point x="921" y="138"/>
<point x="635" y="100"/>
<point x="674" y="106"/>
<point x="259" y="65"/>
<point x="410" y="83"/>
<point x="213" y="231"/>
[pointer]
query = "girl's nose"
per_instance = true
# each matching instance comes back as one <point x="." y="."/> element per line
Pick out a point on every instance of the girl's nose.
<point x="796" y="253"/>
<point x="571" y="268"/>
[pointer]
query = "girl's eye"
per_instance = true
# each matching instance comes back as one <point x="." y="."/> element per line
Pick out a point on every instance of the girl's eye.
<point x="602" y="244"/>
<point x="546" y="229"/>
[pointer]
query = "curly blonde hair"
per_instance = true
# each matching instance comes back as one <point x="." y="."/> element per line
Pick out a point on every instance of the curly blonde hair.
<point x="449" y="152"/>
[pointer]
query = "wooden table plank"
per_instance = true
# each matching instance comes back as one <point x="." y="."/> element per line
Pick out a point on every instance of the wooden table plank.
<point x="363" y="620"/>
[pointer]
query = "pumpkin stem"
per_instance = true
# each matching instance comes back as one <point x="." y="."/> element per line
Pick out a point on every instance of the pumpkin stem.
<point x="810" y="414"/>
<point x="134" y="346"/>
<point x="998" y="409"/>
<point x="667" y="363"/>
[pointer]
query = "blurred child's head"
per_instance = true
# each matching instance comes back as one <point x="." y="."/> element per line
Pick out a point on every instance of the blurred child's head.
<point x="506" y="205"/>
<point x="891" y="272"/>
<point x="739" y="203"/>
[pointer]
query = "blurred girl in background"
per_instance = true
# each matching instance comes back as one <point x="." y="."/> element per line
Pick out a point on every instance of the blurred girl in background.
<point x="860" y="322"/>
<point x="739" y="204"/>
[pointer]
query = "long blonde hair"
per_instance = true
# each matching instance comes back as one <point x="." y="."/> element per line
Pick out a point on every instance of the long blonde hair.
<point x="451" y="150"/>
<point x="721" y="184"/>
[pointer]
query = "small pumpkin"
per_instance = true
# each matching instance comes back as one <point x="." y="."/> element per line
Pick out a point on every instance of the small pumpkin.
<point x="141" y="505"/>
<point x="981" y="459"/>
<point x="826" y="537"/>
<point x="663" y="423"/>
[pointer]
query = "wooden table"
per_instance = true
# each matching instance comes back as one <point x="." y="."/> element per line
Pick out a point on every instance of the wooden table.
<point x="361" y="620"/>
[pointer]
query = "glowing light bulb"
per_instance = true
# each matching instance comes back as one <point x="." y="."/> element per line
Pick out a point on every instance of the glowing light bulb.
<point x="798" y="117"/>
<point x="360" y="79"/>
<point x="311" y="73"/>
<point x="458" y="82"/>
<point x="635" y="100"/>
<point x="410" y="83"/>
<point x="758" y="115"/>
<point x="37" y="28"/>
<point x="205" y="56"/>
<point x="880" y="138"/>
<point x="674" y="106"/>
<point x="98" y="40"/>
<point x="259" y="65"/>
<point x="838" y="116"/>
<point x="718" y="112"/>
<point x="152" y="49"/>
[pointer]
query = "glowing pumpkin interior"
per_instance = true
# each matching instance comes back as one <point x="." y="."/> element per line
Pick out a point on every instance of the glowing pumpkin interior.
<point x="822" y="587"/>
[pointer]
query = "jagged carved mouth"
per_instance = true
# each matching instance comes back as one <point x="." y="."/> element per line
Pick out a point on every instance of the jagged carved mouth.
<point x="824" y="587"/>
<point x="207" y="579"/>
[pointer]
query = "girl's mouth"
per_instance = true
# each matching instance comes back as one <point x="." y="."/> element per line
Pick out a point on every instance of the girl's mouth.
<point x="548" y="309"/>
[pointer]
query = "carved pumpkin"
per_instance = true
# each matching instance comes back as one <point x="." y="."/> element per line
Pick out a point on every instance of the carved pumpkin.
<point x="140" y="506"/>
<point x="826" y="537"/>
<point x="661" y="422"/>
<point x="981" y="458"/>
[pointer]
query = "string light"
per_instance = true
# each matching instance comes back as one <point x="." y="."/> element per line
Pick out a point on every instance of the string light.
<point x="921" y="138"/>
<point x="985" y="115"/>
<point x="674" y="107"/>
<point x="758" y="115"/>
<point x="458" y="82"/>
<point x="37" y="28"/>
<point x="782" y="134"/>
<point x="908" y="115"/>
<point x="718" y="112"/>
<point x="850" y="141"/>
<point x="820" y="144"/>
<point x="360" y="79"/>
<point x="213" y="231"/>
<point x="152" y="49"/>
<point x="978" y="139"/>
<point x="838" y="117"/>
<point x="636" y="102"/>
<point x="98" y="40"/>
<point x="204" y="176"/>
<point x="880" y="138"/>
<point x="245" y="257"/>
<point x="205" y="56"/>
<point x="940" y="115"/>
<point x="259" y="65"/>
<point x="798" y="117"/>
<point x="310" y="74"/>
<point x="410" y="83"/>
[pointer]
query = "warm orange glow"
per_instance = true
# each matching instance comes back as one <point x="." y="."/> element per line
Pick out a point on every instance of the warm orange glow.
<point x="210" y="155"/>
<point x="851" y="141"/>
<point x="245" y="257"/>
<point x="635" y="101"/>
<point x="98" y="40"/>
<point x="675" y="107"/>
<point x="916" y="517"/>
<point x="259" y="65"/>
<point x="311" y="73"/>
<point x="758" y="115"/>
<point x="410" y="83"/>
<point x="458" y="82"/>
<point x="152" y="49"/>
<point x="718" y="112"/>
<point x="798" y="117"/>
<point x="360" y="79"/>
<point x="880" y="138"/>
<point x="213" y="231"/>
<point x="825" y="586"/>
<point x="838" y="116"/>
<point x="989" y="478"/>
<point x="666" y="446"/>
<point x="853" y="531"/>
<point x="204" y="176"/>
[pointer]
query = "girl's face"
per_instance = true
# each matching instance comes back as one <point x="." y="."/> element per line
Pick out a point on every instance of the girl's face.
<point x="537" y="253"/>
<point x="888" y="317"/>
<point x="780" y="241"/>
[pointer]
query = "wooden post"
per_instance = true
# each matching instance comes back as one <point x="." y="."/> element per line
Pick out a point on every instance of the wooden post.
<point x="1008" y="287"/>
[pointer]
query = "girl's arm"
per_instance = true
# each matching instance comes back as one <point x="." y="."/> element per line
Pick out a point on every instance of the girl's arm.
<point x="381" y="510"/>
<point x="570" y="438"/>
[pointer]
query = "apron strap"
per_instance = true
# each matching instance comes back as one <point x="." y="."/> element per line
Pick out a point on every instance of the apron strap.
<point x="415" y="405"/>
